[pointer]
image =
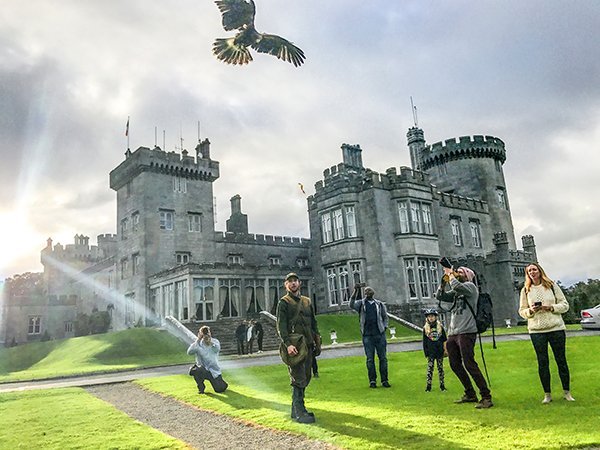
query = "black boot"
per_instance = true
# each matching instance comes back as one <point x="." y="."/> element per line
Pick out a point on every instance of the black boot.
<point x="428" y="388"/>
<point x="442" y="387"/>
<point x="299" y="412"/>
<point x="304" y="407"/>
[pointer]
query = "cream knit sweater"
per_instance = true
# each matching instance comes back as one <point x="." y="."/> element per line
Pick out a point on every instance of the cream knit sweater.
<point x="543" y="321"/>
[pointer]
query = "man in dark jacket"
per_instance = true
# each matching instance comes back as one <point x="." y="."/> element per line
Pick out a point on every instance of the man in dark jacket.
<point x="373" y="323"/>
<point x="295" y="315"/>
<point x="240" y="337"/>
<point x="258" y="328"/>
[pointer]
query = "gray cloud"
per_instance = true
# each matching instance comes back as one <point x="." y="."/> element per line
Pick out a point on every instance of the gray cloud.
<point x="523" y="71"/>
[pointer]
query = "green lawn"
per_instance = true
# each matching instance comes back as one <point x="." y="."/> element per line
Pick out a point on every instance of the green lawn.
<point x="129" y="349"/>
<point x="73" y="419"/>
<point x="347" y="328"/>
<point x="351" y="415"/>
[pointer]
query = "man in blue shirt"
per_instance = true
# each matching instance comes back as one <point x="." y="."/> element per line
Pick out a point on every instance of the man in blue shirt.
<point x="206" y="348"/>
<point x="373" y="323"/>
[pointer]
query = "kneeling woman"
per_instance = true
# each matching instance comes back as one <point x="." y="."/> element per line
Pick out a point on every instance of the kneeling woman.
<point x="542" y="303"/>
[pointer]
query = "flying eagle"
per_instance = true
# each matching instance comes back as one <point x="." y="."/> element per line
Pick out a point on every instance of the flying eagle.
<point x="239" y="15"/>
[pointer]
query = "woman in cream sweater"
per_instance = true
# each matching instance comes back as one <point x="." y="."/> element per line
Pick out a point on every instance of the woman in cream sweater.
<point x="542" y="303"/>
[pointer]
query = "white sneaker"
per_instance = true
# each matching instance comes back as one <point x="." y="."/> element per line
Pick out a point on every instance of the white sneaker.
<point x="569" y="397"/>
<point x="547" y="398"/>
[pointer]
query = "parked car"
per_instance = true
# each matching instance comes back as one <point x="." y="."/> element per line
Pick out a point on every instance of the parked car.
<point x="590" y="318"/>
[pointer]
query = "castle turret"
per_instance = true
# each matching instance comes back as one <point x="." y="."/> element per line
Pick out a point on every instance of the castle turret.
<point x="529" y="246"/>
<point x="472" y="167"/>
<point x="416" y="144"/>
<point x="238" y="222"/>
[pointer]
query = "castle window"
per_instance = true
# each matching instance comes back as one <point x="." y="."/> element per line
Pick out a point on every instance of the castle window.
<point x="135" y="221"/>
<point x="442" y="169"/>
<point x="166" y="220"/>
<point x="338" y="224"/>
<point x="301" y="262"/>
<point x="475" y="233"/>
<point x="68" y="327"/>
<point x="501" y="197"/>
<point x="135" y="263"/>
<point x="326" y="228"/>
<point x="275" y="260"/>
<point x="34" y="325"/>
<point x="229" y="295"/>
<point x="409" y="266"/>
<point x="350" y="222"/>
<point x="204" y="298"/>
<point x="423" y="277"/>
<point x="456" y="235"/>
<point x="427" y="226"/>
<point x="124" y="226"/>
<point x="180" y="299"/>
<point x="344" y="285"/>
<point x="194" y="222"/>
<point x="434" y="274"/>
<point x="182" y="257"/>
<point x="124" y="268"/>
<point x="179" y="185"/>
<point x="235" y="259"/>
<point x="415" y="218"/>
<point x="498" y="165"/>
<point x="403" y="215"/>
<point x="355" y="268"/>
<point x="332" y="287"/>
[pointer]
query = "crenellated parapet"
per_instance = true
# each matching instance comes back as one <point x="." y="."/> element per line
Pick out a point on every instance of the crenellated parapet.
<point x="261" y="239"/>
<point x="159" y="161"/>
<point x="460" y="202"/>
<point x="465" y="147"/>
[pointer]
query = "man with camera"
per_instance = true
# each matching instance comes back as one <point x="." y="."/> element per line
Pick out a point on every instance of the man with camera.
<point x="456" y="290"/>
<point x="373" y="323"/>
<point x="297" y="329"/>
<point x="206" y="348"/>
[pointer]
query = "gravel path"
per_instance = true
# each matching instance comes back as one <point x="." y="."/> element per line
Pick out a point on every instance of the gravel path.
<point x="181" y="421"/>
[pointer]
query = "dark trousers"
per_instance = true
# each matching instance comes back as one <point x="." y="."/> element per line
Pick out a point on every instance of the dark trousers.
<point x="461" y="354"/>
<point x="240" y="346"/>
<point x="315" y="366"/>
<point x="557" y="340"/>
<point x="201" y="374"/>
<point x="301" y="374"/>
<point x="250" y="346"/>
<point x="372" y="344"/>
<point x="259" y="340"/>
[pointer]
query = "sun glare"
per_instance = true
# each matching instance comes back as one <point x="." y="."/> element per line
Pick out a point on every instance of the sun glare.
<point x="17" y="238"/>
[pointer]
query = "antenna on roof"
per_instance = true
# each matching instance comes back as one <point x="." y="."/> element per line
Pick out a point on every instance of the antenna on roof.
<point x="155" y="142"/>
<point x="198" y="131"/>
<point x="414" y="112"/>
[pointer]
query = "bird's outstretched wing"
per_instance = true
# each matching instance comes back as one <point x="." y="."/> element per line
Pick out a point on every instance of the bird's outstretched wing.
<point x="236" y="13"/>
<point x="279" y="47"/>
<point x="228" y="51"/>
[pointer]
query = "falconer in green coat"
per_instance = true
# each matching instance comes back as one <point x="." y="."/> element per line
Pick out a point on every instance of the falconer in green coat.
<point x="295" y="316"/>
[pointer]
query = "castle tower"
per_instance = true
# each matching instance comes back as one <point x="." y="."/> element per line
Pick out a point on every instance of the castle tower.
<point x="165" y="218"/>
<point x="472" y="167"/>
<point x="529" y="246"/>
<point x="238" y="222"/>
<point x="416" y="144"/>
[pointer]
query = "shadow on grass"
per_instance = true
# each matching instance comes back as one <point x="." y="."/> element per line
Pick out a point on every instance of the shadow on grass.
<point x="339" y="423"/>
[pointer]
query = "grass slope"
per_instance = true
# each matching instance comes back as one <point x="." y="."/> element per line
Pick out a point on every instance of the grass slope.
<point x="129" y="349"/>
<point x="351" y="415"/>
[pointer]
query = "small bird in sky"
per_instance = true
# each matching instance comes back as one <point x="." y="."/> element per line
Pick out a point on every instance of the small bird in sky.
<point x="239" y="15"/>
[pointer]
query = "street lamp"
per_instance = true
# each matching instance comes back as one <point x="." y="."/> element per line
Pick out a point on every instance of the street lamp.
<point x="333" y="336"/>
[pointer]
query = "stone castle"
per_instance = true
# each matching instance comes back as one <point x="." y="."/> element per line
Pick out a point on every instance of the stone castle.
<point x="384" y="229"/>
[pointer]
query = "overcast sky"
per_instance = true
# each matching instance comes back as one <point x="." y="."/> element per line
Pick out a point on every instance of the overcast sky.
<point x="71" y="72"/>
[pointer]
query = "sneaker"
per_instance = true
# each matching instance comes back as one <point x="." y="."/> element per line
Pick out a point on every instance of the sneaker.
<point x="547" y="399"/>
<point x="569" y="397"/>
<point x="386" y="384"/>
<point x="466" y="399"/>
<point x="484" y="403"/>
<point x="372" y="385"/>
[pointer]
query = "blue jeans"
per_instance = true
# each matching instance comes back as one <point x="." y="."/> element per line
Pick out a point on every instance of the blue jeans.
<point x="371" y="344"/>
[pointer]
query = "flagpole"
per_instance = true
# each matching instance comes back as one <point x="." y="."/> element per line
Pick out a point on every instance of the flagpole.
<point x="127" y="132"/>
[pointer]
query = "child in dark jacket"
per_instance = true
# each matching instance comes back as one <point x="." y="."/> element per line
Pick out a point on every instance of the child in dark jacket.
<point x="434" y="346"/>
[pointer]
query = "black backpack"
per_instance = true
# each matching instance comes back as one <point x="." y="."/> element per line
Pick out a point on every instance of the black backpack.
<point x="484" y="318"/>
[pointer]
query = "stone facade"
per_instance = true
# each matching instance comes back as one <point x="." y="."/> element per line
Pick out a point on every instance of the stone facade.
<point x="386" y="229"/>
